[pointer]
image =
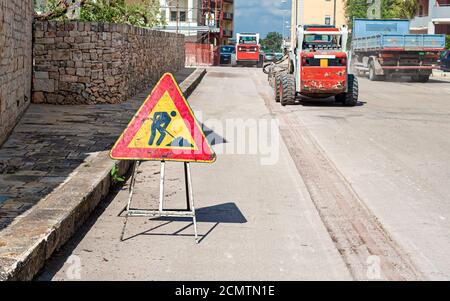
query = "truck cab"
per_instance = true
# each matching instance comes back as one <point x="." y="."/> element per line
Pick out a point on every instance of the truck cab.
<point x="248" y="50"/>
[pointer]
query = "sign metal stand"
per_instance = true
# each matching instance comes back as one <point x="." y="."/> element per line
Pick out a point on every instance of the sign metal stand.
<point x="189" y="212"/>
<point x="181" y="139"/>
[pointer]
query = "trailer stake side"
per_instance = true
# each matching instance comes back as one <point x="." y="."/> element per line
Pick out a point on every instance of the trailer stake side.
<point x="383" y="49"/>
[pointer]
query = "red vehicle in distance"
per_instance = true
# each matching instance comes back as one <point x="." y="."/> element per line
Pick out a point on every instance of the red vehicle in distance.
<point x="248" y="50"/>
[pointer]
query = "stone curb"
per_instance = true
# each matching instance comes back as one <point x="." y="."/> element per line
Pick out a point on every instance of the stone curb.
<point x="26" y="244"/>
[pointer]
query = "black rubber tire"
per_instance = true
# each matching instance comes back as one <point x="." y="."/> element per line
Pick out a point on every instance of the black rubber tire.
<point x="423" y="78"/>
<point x="340" y="97"/>
<point x="372" y="75"/>
<point x="351" y="97"/>
<point x="291" y="67"/>
<point x="260" y="63"/>
<point x="287" y="89"/>
<point x="277" y="87"/>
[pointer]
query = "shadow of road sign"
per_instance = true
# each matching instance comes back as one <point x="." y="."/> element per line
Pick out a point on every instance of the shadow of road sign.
<point x="212" y="137"/>
<point x="227" y="213"/>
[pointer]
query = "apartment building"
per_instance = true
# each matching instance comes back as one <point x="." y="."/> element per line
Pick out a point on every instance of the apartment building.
<point x="322" y="12"/>
<point x="200" y="20"/>
<point x="330" y="12"/>
<point x="228" y="20"/>
<point x="182" y="16"/>
<point x="433" y="16"/>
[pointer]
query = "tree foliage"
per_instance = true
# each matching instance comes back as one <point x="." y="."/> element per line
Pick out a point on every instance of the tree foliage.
<point x="355" y="9"/>
<point x="143" y="13"/>
<point x="410" y="8"/>
<point x="390" y="9"/>
<point x="273" y="42"/>
<point x="403" y="9"/>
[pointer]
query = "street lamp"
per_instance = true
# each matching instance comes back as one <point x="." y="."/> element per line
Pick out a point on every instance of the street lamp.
<point x="284" y="17"/>
<point x="334" y="14"/>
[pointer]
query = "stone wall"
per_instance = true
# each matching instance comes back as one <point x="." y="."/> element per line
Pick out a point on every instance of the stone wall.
<point x="88" y="63"/>
<point x="16" y="19"/>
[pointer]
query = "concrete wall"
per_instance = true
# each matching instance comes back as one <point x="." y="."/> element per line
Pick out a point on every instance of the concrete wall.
<point x="87" y="63"/>
<point x="16" y="19"/>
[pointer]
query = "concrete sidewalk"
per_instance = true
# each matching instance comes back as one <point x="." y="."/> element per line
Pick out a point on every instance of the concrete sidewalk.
<point x="54" y="169"/>
<point x="257" y="222"/>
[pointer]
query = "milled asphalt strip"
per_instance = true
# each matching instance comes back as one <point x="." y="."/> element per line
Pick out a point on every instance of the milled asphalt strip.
<point x="26" y="244"/>
<point x="358" y="235"/>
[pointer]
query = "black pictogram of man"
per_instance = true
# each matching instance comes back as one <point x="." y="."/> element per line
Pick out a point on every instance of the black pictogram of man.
<point x="161" y="120"/>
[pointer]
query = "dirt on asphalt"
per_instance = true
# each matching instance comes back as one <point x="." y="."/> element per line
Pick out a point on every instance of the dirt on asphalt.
<point x="360" y="238"/>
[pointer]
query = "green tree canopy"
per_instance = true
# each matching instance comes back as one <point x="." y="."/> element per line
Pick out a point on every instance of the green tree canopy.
<point x="390" y="9"/>
<point x="355" y="9"/>
<point x="143" y="13"/>
<point x="399" y="9"/>
<point x="273" y="42"/>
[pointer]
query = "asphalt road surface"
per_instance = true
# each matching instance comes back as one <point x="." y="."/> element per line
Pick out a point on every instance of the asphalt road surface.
<point x="344" y="193"/>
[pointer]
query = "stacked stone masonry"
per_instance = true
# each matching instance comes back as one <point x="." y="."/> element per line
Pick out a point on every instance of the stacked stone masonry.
<point x="91" y="63"/>
<point x="16" y="18"/>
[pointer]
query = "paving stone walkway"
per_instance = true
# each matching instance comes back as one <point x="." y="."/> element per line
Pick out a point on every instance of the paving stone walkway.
<point x="50" y="142"/>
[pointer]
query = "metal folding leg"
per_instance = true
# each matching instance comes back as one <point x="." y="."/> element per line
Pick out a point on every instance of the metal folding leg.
<point x="190" y="193"/>
<point x="189" y="212"/>
<point x="130" y="196"/>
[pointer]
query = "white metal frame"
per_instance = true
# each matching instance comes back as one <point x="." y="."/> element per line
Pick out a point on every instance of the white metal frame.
<point x="189" y="212"/>
<point x="239" y="35"/>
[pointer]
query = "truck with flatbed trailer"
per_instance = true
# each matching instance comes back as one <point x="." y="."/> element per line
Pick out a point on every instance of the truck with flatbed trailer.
<point x="383" y="49"/>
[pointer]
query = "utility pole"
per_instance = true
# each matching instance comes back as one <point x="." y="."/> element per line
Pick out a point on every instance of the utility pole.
<point x="178" y="15"/>
<point x="294" y="20"/>
<point x="285" y="11"/>
<point x="334" y="14"/>
<point x="221" y="23"/>
<point x="216" y="17"/>
<point x="208" y="22"/>
<point x="284" y="23"/>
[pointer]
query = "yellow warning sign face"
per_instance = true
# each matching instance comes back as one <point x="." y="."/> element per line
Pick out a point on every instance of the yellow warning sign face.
<point x="164" y="128"/>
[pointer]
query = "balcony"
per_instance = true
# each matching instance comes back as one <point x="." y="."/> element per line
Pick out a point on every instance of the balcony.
<point x="228" y="16"/>
<point x="420" y="22"/>
<point x="438" y="13"/>
<point x="228" y="33"/>
<point x="441" y="12"/>
<point x="213" y="2"/>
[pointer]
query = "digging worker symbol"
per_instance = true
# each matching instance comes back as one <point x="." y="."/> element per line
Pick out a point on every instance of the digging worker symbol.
<point x="160" y="123"/>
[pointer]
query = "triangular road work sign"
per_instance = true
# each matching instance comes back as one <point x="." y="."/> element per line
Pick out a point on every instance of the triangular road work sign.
<point x="164" y="129"/>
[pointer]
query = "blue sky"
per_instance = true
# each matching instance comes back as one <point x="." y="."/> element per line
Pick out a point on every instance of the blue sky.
<point x="261" y="16"/>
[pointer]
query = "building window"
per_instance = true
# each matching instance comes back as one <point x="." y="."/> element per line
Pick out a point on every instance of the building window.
<point x="327" y="20"/>
<point x="163" y="14"/>
<point x="173" y="16"/>
<point x="182" y="16"/>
